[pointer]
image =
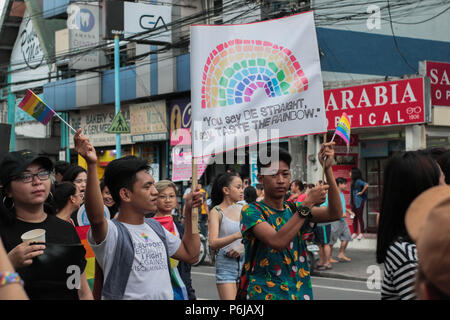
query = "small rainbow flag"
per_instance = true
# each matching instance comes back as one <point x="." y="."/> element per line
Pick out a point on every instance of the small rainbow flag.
<point x="36" y="108"/>
<point x="343" y="129"/>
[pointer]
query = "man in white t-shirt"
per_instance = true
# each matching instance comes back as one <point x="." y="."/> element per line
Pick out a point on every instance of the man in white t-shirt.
<point x="132" y="187"/>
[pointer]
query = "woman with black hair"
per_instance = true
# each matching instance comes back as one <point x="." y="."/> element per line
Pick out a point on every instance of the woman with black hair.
<point x="406" y="175"/>
<point x="67" y="200"/>
<point x="224" y="233"/>
<point x="25" y="180"/>
<point x="250" y="195"/>
<point x="77" y="175"/>
<point x="108" y="201"/>
<point x="444" y="163"/>
<point x="358" y="198"/>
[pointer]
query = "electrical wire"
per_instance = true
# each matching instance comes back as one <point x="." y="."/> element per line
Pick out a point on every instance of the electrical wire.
<point x="161" y="50"/>
<point x="229" y="6"/>
<point x="395" y="41"/>
<point x="155" y="32"/>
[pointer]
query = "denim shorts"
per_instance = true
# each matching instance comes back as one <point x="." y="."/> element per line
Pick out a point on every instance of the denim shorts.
<point x="228" y="270"/>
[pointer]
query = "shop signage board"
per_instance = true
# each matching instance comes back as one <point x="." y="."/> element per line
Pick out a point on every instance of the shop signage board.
<point x="148" y="117"/>
<point x="180" y="122"/>
<point x="95" y="123"/>
<point x="255" y="82"/>
<point x="28" y="62"/>
<point x="182" y="164"/>
<point x="142" y="21"/>
<point x="83" y="23"/>
<point x="380" y="104"/>
<point x="149" y="137"/>
<point x="439" y="74"/>
<point x="148" y="121"/>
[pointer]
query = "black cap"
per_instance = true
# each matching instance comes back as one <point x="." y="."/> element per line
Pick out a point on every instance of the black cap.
<point x="16" y="162"/>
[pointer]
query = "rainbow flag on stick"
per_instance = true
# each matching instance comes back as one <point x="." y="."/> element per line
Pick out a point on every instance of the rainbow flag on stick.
<point x="35" y="107"/>
<point x="343" y="130"/>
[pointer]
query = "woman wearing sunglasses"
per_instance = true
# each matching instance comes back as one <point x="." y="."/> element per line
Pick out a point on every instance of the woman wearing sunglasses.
<point x="50" y="270"/>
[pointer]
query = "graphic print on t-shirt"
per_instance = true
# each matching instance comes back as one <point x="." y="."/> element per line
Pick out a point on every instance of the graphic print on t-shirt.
<point x="149" y="255"/>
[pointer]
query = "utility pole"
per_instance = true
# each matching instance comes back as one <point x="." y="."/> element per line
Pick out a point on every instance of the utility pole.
<point x="117" y="88"/>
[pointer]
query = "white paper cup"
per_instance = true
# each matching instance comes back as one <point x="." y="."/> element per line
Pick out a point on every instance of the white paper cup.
<point x="36" y="235"/>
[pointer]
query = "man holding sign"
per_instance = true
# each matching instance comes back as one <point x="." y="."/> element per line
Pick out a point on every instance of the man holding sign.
<point x="253" y="79"/>
<point x="272" y="229"/>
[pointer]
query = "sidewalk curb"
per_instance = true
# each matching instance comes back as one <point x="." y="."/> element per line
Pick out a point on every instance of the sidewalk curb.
<point x="337" y="276"/>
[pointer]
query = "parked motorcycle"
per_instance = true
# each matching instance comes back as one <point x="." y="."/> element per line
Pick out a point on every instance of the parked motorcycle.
<point x="312" y="250"/>
<point x="204" y="250"/>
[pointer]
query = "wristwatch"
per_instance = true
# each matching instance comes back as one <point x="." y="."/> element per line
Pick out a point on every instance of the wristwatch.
<point x="304" y="212"/>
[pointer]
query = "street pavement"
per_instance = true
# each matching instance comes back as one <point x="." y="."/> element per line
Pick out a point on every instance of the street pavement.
<point x="363" y="265"/>
<point x="324" y="288"/>
<point x="359" y="279"/>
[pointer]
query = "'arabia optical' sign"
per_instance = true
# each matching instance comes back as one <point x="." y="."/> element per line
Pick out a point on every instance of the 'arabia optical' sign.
<point x="381" y="104"/>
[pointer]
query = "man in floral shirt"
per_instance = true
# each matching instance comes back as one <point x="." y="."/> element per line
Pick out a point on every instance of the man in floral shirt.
<point x="280" y="269"/>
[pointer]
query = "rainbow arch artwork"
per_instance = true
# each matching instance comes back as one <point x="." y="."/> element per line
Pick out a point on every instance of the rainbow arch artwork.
<point x="254" y="80"/>
<point x="236" y="69"/>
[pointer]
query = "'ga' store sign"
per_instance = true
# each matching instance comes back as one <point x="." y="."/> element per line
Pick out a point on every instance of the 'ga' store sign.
<point x="380" y="104"/>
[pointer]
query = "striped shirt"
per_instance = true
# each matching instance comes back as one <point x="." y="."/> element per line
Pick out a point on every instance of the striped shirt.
<point x="400" y="268"/>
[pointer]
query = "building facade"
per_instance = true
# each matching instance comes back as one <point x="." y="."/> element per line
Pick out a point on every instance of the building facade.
<point x="380" y="64"/>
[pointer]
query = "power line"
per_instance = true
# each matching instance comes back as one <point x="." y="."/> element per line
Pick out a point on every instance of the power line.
<point x="328" y="18"/>
<point x="161" y="50"/>
<point x="178" y="24"/>
<point x="395" y="41"/>
<point x="227" y="7"/>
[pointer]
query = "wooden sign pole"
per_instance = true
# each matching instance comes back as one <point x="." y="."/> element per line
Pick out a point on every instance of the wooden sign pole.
<point x="194" y="217"/>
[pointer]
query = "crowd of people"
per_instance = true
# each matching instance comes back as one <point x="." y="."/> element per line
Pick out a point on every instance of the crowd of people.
<point x="119" y="238"/>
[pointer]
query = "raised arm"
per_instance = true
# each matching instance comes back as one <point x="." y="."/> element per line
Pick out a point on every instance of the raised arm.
<point x="190" y="244"/>
<point x="334" y="210"/>
<point x="280" y="239"/>
<point x="93" y="195"/>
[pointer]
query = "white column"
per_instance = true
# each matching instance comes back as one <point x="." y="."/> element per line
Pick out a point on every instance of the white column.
<point x="415" y="137"/>
<point x="298" y="166"/>
<point x="313" y="168"/>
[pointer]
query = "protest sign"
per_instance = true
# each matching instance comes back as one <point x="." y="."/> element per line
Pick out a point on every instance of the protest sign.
<point x="253" y="78"/>
<point x="182" y="164"/>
